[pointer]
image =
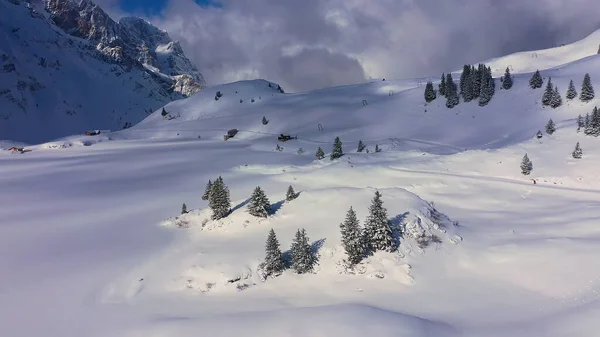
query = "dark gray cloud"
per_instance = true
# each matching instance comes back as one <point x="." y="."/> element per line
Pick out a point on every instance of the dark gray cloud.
<point x="314" y="43"/>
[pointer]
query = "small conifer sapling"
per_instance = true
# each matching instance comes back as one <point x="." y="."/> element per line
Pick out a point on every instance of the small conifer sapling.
<point x="577" y="153"/>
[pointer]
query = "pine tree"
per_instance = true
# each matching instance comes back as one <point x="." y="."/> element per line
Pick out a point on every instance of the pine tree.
<point x="164" y="112"/>
<point x="184" y="209"/>
<point x="207" y="190"/>
<point x="550" y="127"/>
<point x="378" y="231"/>
<point x="303" y="258"/>
<point x="273" y="264"/>
<point x="507" y="80"/>
<point x="429" y="92"/>
<point x="594" y="123"/>
<point x="320" y="154"/>
<point x="451" y="92"/>
<point x="556" y="99"/>
<point x="259" y="204"/>
<point x="539" y="134"/>
<point x="219" y="200"/>
<point x="361" y="146"/>
<point x="548" y="93"/>
<point x="526" y="165"/>
<point x="442" y="86"/>
<point x="377" y="148"/>
<point x="476" y="81"/>
<point x="466" y="84"/>
<point x="487" y="87"/>
<point x="536" y="80"/>
<point x="352" y="238"/>
<point x="587" y="130"/>
<point x="587" y="90"/>
<point x="580" y="123"/>
<point x="290" y="194"/>
<point x="337" y="149"/>
<point x="577" y="153"/>
<point x="571" y="92"/>
<point x="265" y="121"/>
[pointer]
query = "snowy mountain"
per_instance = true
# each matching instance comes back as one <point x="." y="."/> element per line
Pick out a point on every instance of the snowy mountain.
<point x="67" y="67"/>
<point x="97" y="226"/>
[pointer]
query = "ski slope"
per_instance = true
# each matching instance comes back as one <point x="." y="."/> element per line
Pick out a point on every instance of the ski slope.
<point x="93" y="244"/>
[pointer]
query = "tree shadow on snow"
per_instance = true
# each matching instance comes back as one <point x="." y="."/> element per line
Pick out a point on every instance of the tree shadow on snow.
<point x="316" y="246"/>
<point x="397" y="228"/>
<point x="277" y="206"/>
<point x="244" y="203"/>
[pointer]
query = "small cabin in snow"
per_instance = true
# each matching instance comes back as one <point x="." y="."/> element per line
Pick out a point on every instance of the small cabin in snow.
<point x="15" y="149"/>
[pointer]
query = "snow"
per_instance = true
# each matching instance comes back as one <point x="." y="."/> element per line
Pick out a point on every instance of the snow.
<point x="92" y="243"/>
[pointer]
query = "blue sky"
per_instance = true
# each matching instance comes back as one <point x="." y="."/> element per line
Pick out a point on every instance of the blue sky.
<point x="154" y="7"/>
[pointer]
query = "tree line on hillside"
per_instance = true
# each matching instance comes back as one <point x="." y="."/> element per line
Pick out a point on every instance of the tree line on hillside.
<point x="476" y="83"/>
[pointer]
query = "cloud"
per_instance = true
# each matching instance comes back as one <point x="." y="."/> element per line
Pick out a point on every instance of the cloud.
<point x="314" y="43"/>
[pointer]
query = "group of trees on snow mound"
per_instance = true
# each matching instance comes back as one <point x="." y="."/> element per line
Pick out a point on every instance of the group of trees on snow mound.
<point x="337" y="151"/>
<point x="217" y="195"/>
<point x="303" y="257"/>
<point x="551" y="96"/>
<point x="476" y="83"/>
<point x="358" y="242"/>
<point x="591" y="123"/>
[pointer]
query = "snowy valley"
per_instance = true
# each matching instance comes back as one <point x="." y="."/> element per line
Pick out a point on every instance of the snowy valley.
<point x="94" y="241"/>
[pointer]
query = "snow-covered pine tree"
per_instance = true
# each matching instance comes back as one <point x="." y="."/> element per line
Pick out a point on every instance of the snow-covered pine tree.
<point x="378" y="232"/>
<point x="548" y="93"/>
<point x="429" y="92"/>
<point x="571" y="92"/>
<point x="442" y="86"/>
<point x="273" y="264"/>
<point x="476" y="81"/>
<point x="539" y="134"/>
<point x="352" y="238"/>
<point x="487" y="87"/>
<point x="587" y="90"/>
<point x="577" y="153"/>
<point x="184" y="209"/>
<point x="337" y="149"/>
<point x="259" y="204"/>
<point x="550" y="127"/>
<point x="377" y="148"/>
<point x="536" y="80"/>
<point x="526" y="165"/>
<point x="451" y="92"/>
<point x="219" y="201"/>
<point x="492" y="82"/>
<point x="556" y="99"/>
<point x="595" y="123"/>
<point x="465" y="83"/>
<point x="587" y="125"/>
<point x="580" y="123"/>
<point x="290" y="194"/>
<point x="303" y="259"/>
<point x="207" y="190"/>
<point x="507" y="80"/>
<point x="265" y="121"/>
<point x="361" y="146"/>
<point x="320" y="153"/>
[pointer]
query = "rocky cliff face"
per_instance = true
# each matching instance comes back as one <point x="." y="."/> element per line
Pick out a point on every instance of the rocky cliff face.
<point x="66" y="66"/>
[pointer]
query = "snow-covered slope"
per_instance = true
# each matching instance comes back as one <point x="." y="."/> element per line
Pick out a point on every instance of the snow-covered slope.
<point x="93" y="227"/>
<point x="530" y="61"/>
<point x="67" y="67"/>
